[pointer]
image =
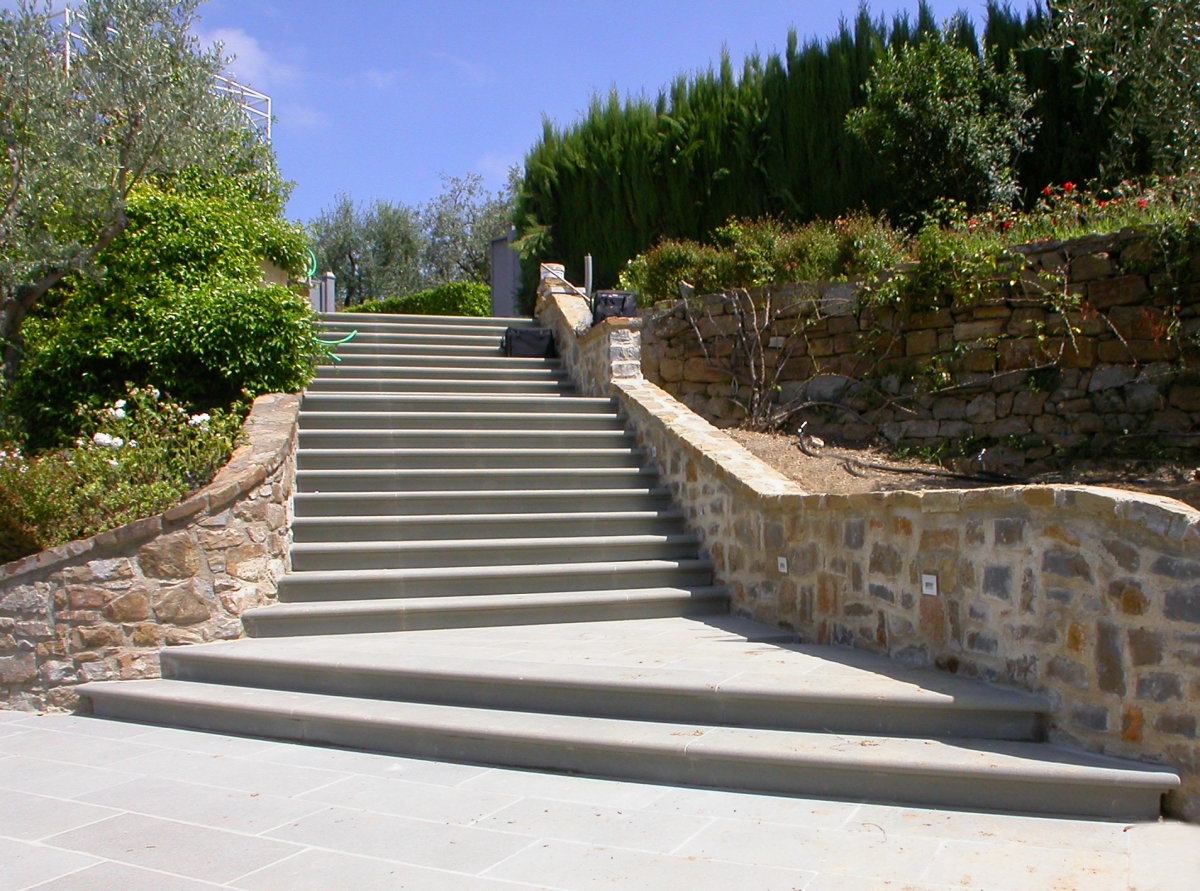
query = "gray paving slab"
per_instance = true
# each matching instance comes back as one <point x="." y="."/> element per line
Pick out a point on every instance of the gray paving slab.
<point x="74" y="748"/>
<point x="109" y="876"/>
<point x="204" y="811"/>
<point x="419" y="842"/>
<point x="331" y="871"/>
<point x="180" y="848"/>
<point x="30" y="817"/>
<point x="580" y="867"/>
<point x="231" y="809"/>
<point x="418" y="800"/>
<point x="26" y="864"/>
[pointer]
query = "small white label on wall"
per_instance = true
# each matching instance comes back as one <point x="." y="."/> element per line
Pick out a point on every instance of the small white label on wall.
<point x="777" y="342"/>
<point x="783" y="565"/>
<point x="929" y="585"/>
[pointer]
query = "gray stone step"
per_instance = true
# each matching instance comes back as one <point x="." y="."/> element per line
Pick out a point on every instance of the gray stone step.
<point x="413" y="459"/>
<point x="457" y="437"/>
<point x="500" y="501"/>
<point x="483" y="611"/>
<point x="494" y="420"/>
<point x="387" y="360"/>
<point x="472" y="479"/>
<point x="447" y="386"/>
<point x="440" y="403"/>
<point x="415" y="345"/>
<point x="373" y="584"/>
<point x="471" y="337"/>
<point x="542" y="372"/>
<point x="425" y="527"/>
<point x="996" y="775"/>
<point x="347" y="321"/>
<point x="507" y="551"/>
<point x="726" y="671"/>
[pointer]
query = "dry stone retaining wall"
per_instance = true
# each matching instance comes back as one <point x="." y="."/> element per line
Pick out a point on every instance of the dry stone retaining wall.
<point x="103" y="607"/>
<point x="1090" y="596"/>
<point x="1125" y="372"/>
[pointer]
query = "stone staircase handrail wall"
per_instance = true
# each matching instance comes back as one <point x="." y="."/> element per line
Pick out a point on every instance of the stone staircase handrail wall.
<point x="1087" y="595"/>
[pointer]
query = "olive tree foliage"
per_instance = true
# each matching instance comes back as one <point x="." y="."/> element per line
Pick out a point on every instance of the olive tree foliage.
<point x="945" y="124"/>
<point x="135" y="102"/>
<point x="1145" y="56"/>
<point x="372" y="251"/>
<point x="388" y="250"/>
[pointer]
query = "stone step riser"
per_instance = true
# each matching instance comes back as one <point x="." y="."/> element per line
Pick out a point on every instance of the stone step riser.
<point x="400" y="338"/>
<point x="375" y="481"/>
<point x="363" y="362"/>
<point x="384" y="373"/>
<point x="347" y="322"/>
<point x="608" y="700"/>
<point x="429" y="732"/>
<point x="399" y="386"/>
<point x="436" y="403"/>
<point x="316" y="558"/>
<point x="482" y="612"/>
<point x="312" y="587"/>
<point x="485" y="347"/>
<point x="533" y="460"/>
<point x="502" y="502"/>
<point x="426" y="528"/>
<point x="458" y="438"/>
<point x="494" y="420"/>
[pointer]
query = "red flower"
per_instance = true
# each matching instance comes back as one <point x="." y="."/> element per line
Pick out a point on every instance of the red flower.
<point x="1142" y="202"/>
<point x="1007" y="225"/>
<point x="1103" y="203"/>
<point x="1068" y="188"/>
<point x="1046" y="191"/>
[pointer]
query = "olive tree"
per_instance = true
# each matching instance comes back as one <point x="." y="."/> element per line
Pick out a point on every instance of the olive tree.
<point x="1145" y="57"/>
<point x="131" y="101"/>
<point x="374" y="252"/>
<point x="944" y="123"/>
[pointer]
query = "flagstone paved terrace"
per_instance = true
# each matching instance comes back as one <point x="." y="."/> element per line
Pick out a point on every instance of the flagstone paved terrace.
<point x="93" y="805"/>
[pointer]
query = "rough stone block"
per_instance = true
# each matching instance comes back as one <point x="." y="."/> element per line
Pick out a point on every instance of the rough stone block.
<point x="1067" y="565"/>
<point x="170" y="557"/>
<point x="182" y="604"/>
<point x="1145" y="647"/>
<point x="997" y="582"/>
<point x="1183" y="605"/>
<point x="1110" y="665"/>
<point x="1159" y="687"/>
<point x="1091" y="267"/>
<point x="1122" y="291"/>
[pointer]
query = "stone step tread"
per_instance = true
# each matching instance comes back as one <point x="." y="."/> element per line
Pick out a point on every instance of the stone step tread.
<point x="723" y="657"/>
<point x="557" y="603"/>
<point x="508" y="494"/>
<point x="492" y="544"/>
<point x="499" y="734"/>
<point x="435" y="399"/>
<point x="456" y="433"/>
<point x="467" y="472"/>
<point x="665" y="515"/>
<point x="446" y="416"/>
<point x="483" y="573"/>
<point x="352" y="318"/>
<point x="533" y="454"/>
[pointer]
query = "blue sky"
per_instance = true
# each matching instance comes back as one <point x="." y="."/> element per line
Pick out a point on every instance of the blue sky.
<point x="378" y="99"/>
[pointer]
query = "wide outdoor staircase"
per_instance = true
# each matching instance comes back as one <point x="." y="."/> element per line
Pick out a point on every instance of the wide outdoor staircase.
<point x="486" y="568"/>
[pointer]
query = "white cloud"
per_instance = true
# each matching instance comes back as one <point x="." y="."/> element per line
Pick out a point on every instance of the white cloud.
<point x="252" y="64"/>
<point x="380" y="80"/>
<point x="477" y="75"/>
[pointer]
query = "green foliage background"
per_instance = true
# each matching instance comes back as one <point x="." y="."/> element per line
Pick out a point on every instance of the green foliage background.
<point x="180" y="307"/>
<point x="455" y="299"/>
<point x="770" y="140"/>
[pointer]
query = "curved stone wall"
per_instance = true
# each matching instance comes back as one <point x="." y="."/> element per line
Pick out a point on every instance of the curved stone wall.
<point x="101" y="608"/>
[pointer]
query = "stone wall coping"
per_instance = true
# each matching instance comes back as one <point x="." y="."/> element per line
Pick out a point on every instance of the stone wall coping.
<point x="607" y="326"/>
<point x="267" y="435"/>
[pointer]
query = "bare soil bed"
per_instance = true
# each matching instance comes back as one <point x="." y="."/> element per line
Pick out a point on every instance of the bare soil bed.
<point x="845" y="471"/>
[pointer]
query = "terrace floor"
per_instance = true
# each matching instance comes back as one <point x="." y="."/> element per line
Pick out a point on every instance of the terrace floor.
<point x="103" y="806"/>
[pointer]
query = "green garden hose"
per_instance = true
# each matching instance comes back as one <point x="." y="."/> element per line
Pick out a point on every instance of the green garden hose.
<point x="334" y="343"/>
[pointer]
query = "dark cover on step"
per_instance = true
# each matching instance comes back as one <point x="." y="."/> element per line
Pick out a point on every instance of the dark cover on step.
<point x="529" y="343"/>
<point x="613" y="304"/>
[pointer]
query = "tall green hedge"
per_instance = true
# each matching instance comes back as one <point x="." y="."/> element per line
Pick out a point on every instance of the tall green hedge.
<point x="769" y="139"/>
<point x="455" y="299"/>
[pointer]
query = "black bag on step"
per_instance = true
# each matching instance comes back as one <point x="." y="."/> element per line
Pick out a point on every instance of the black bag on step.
<point x="613" y="304"/>
<point x="529" y="343"/>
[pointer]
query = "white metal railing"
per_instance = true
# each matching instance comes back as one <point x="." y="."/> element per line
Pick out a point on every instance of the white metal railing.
<point x="256" y="105"/>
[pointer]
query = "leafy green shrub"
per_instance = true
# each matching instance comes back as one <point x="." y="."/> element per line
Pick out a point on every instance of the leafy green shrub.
<point x="181" y="308"/>
<point x="456" y="299"/>
<point x="749" y="253"/>
<point x="135" y="458"/>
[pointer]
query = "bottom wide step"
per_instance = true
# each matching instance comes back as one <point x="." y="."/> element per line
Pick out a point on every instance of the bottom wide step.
<point x="1025" y="777"/>
<point x="480" y="610"/>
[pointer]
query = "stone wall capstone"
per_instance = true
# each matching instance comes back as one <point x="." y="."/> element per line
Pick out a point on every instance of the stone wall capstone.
<point x="1089" y="596"/>
<point x="103" y="607"/>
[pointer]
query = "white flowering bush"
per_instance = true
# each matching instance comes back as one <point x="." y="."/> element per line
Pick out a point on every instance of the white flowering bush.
<point x="134" y="458"/>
